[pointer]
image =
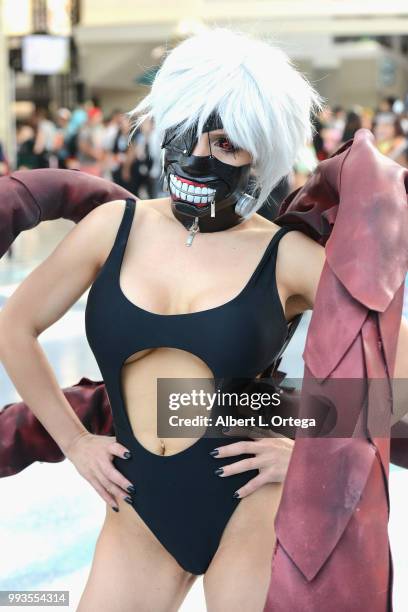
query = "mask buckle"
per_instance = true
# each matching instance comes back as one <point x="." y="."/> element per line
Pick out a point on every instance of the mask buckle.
<point x="244" y="200"/>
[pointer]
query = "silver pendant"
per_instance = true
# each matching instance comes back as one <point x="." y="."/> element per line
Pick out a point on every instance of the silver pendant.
<point x="212" y="208"/>
<point x="192" y="232"/>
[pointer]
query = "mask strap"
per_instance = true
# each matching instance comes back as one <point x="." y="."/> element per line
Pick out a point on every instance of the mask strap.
<point x="213" y="200"/>
<point x="186" y="150"/>
<point x="209" y="144"/>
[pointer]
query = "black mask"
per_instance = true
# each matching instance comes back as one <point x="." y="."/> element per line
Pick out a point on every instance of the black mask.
<point x="204" y="190"/>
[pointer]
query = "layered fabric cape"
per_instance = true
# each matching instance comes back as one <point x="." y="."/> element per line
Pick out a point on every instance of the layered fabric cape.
<point x="332" y="549"/>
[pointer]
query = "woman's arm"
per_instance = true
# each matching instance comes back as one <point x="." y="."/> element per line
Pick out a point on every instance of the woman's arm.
<point x="299" y="266"/>
<point x="303" y="280"/>
<point x="41" y="299"/>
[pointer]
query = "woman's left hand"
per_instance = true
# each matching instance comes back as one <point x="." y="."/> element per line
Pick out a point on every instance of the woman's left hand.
<point x="271" y="458"/>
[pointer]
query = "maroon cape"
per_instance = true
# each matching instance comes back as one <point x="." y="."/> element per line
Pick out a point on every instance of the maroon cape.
<point x="336" y="491"/>
<point x="332" y="550"/>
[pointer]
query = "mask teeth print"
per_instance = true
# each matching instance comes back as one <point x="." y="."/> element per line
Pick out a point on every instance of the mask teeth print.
<point x="190" y="193"/>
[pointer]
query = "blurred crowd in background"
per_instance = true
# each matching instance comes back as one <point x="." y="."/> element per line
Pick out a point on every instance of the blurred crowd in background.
<point x="89" y="140"/>
<point x="92" y="141"/>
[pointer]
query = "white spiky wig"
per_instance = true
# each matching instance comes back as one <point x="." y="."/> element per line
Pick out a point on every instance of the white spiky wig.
<point x="264" y="102"/>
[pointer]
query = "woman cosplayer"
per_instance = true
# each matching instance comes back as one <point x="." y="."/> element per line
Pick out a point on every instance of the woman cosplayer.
<point x="194" y="285"/>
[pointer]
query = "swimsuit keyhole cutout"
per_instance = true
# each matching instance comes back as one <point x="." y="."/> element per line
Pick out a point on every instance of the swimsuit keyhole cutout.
<point x="152" y="378"/>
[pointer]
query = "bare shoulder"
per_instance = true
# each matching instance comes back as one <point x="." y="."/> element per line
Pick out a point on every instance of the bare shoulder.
<point x="261" y="225"/>
<point x="296" y="244"/>
<point x="148" y="217"/>
<point x="103" y="222"/>
<point x="99" y="227"/>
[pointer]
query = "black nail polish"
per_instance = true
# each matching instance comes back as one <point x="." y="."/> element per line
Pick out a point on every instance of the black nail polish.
<point x="130" y="488"/>
<point x="128" y="500"/>
<point x="127" y="455"/>
<point x="214" y="452"/>
<point x="115" y="508"/>
<point x="236" y="494"/>
<point x="219" y="471"/>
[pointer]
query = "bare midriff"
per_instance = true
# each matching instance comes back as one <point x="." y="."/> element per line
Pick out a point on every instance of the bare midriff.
<point x="139" y="386"/>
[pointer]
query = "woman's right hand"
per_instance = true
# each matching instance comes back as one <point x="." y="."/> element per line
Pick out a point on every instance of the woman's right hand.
<point x="92" y="456"/>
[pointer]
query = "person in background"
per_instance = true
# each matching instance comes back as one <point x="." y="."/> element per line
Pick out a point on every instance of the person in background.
<point x="78" y="118"/>
<point x="112" y="128"/>
<point x="91" y="153"/>
<point x="339" y="118"/>
<point x="333" y="132"/>
<point x="61" y="149"/>
<point x="25" y="138"/>
<point x="367" y="118"/>
<point x="386" y="104"/>
<point x="390" y="138"/>
<point x="119" y="153"/>
<point x="138" y="162"/>
<point x="45" y="131"/>
<point x="319" y="122"/>
<point x="155" y="152"/>
<point x="353" y="123"/>
<point x="114" y="143"/>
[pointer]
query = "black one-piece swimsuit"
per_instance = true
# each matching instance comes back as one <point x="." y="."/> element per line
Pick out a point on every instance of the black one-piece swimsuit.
<point x="179" y="497"/>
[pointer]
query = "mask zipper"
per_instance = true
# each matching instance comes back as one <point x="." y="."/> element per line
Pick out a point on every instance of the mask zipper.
<point x="192" y="232"/>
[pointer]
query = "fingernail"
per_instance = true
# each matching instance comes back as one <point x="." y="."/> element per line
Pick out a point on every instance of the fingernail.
<point x="214" y="452"/>
<point x="128" y="500"/>
<point x="225" y="430"/>
<point x="219" y="471"/>
<point x="115" y="508"/>
<point x="130" y="488"/>
<point x="236" y="494"/>
<point x="127" y="455"/>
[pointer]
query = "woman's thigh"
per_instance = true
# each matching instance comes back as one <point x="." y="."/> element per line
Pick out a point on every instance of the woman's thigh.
<point x="239" y="574"/>
<point x="131" y="570"/>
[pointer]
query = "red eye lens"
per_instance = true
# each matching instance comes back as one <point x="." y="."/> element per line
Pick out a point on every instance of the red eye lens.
<point x="225" y="145"/>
